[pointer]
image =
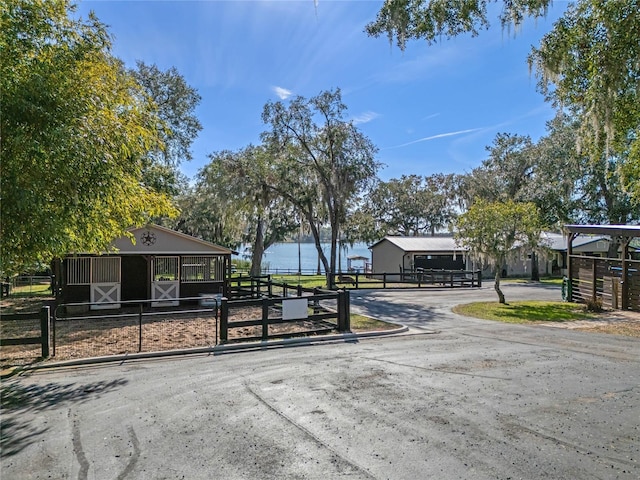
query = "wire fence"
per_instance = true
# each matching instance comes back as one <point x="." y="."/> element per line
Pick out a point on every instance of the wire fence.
<point x="79" y="332"/>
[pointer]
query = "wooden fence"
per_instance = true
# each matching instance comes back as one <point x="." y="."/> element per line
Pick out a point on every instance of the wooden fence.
<point x="596" y="278"/>
<point x="298" y="310"/>
<point x="419" y="279"/>
<point x="14" y="322"/>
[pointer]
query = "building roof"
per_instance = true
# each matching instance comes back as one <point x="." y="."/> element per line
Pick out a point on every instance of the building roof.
<point x="554" y="241"/>
<point x="423" y="244"/>
<point x="156" y="240"/>
<point x="558" y="241"/>
<point x="616" y="230"/>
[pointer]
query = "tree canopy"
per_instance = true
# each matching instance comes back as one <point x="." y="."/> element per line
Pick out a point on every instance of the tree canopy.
<point x="495" y="231"/>
<point x="430" y="20"/>
<point x="75" y="130"/>
<point x="589" y="64"/>
<point x="174" y="102"/>
<point x="411" y="205"/>
<point x="320" y="162"/>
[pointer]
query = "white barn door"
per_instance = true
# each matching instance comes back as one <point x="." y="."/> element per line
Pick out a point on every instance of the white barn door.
<point x="165" y="282"/>
<point x="105" y="283"/>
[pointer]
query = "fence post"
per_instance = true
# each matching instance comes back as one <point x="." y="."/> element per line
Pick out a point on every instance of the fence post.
<point x="479" y="278"/>
<point x="344" y="315"/>
<point x="384" y="280"/>
<point x="357" y="278"/>
<point x="45" y="323"/>
<point x="224" y="320"/>
<point x="265" y="319"/>
<point x="299" y="290"/>
<point x="140" y="327"/>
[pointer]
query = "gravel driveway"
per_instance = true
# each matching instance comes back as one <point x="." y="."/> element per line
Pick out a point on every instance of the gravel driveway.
<point x="474" y="400"/>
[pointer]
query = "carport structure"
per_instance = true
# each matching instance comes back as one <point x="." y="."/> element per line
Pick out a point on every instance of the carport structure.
<point x="614" y="281"/>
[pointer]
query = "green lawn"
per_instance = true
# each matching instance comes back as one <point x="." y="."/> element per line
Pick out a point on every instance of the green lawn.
<point x="36" y="290"/>
<point x="525" y="311"/>
<point x="360" y="323"/>
<point x="546" y="281"/>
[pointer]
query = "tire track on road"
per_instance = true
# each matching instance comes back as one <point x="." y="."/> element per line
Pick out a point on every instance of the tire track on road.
<point x="307" y="432"/>
<point x="77" y="447"/>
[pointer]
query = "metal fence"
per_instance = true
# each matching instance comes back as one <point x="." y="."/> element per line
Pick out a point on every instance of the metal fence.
<point x="79" y="332"/>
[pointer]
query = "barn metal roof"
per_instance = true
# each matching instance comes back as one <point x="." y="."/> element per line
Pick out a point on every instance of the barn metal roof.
<point x="423" y="244"/>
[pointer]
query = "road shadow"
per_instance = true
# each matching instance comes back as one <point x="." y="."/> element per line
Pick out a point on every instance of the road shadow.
<point x="409" y="314"/>
<point x="17" y="400"/>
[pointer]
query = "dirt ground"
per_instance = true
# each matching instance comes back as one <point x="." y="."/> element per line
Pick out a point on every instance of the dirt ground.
<point x="103" y="334"/>
<point x="616" y="322"/>
<point x="110" y="336"/>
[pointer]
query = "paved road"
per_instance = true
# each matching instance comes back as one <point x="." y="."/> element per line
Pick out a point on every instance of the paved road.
<point x="477" y="400"/>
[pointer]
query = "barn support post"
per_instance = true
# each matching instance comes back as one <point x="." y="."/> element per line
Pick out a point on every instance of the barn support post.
<point x="45" y="324"/>
<point x="224" y="320"/>
<point x="625" y="272"/>
<point x="570" y="239"/>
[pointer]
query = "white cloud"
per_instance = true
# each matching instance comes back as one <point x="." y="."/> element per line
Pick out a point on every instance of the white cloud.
<point x="283" y="93"/>
<point x="365" y="117"/>
<point x="440" y="135"/>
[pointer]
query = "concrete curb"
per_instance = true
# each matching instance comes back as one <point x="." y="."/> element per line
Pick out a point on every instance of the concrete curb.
<point x="215" y="350"/>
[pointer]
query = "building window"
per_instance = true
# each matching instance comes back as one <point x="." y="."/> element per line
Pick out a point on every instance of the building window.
<point x="89" y="270"/>
<point x="165" y="269"/>
<point x="202" y="269"/>
<point x="79" y="271"/>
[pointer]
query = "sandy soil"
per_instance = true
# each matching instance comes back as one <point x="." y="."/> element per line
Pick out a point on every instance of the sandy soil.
<point x="102" y="334"/>
<point x="167" y="331"/>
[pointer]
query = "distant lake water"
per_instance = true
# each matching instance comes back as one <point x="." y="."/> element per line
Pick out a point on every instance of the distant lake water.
<point x="283" y="257"/>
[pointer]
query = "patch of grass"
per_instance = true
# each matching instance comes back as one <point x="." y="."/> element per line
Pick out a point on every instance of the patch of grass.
<point x="308" y="281"/>
<point x="36" y="290"/>
<point x="544" y="281"/>
<point x="525" y="311"/>
<point x="360" y="323"/>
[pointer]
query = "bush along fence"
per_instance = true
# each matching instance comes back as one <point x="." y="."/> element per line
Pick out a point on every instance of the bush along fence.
<point x="264" y="309"/>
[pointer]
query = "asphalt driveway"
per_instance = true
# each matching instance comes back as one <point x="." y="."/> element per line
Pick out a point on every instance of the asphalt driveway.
<point x="455" y="399"/>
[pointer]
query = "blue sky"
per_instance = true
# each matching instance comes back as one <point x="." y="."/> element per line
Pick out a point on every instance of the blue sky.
<point x="429" y="109"/>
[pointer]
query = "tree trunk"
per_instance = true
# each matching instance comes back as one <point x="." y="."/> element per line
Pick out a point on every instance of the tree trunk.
<point x="496" y="286"/>
<point x="614" y="245"/>
<point x="258" y="250"/>
<point x="535" y="269"/>
<point x="316" y="238"/>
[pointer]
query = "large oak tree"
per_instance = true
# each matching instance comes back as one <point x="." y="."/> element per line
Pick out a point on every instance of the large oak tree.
<point x="75" y="130"/>
<point x="320" y="163"/>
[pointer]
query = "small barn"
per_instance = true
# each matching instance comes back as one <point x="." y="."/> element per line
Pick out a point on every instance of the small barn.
<point x="155" y="263"/>
<point x="406" y="254"/>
